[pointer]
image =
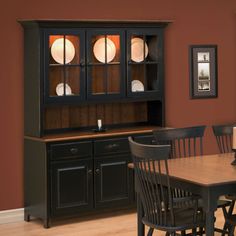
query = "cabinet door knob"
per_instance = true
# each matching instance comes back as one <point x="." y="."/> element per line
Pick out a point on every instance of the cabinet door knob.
<point x="90" y="172"/>
<point x="97" y="171"/>
<point x="74" y="150"/>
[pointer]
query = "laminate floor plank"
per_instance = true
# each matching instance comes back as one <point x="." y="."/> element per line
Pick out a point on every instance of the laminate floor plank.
<point x="116" y="224"/>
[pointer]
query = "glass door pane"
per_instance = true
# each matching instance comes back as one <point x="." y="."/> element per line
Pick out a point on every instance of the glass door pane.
<point x="143" y="62"/>
<point x="104" y="64"/>
<point x="64" y="65"/>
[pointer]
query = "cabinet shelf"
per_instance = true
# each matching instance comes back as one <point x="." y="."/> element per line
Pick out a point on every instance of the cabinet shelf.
<point x="103" y="64"/>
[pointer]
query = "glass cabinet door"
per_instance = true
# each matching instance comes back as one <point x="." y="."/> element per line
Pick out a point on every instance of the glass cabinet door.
<point x="105" y="64"/>
<point x="144" y="63"/>
<point x="65" y="66"/>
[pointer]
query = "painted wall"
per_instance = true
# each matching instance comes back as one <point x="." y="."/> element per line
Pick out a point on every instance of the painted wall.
<point x="195" y="22"/>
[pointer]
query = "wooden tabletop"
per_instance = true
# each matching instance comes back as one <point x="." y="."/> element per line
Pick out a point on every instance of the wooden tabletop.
<point x="206" y="170"/>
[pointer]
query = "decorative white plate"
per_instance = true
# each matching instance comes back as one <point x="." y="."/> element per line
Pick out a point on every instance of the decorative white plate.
<point x="137" y="52"/>
<point x="57" y="51"/>
<point x="137" y="86"/>
<point x="60" y="89"/>
<point x="99" y="50"/>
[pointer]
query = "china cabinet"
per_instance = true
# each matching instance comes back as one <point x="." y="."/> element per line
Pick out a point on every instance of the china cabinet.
<point x="76" y="73"/>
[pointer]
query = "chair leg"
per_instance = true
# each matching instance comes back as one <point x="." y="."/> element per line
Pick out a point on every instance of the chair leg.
<point x="150" y="232"/>
<point x="227" y="214"/>
<point x="231" y="230"/>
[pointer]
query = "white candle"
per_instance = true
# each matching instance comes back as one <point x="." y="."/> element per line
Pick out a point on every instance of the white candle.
<point x="99" y="124"/>
<point x="234" y="138"/>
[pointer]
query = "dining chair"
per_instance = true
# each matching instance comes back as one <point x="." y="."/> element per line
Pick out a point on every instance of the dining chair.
<point x="153" y="184"/>
<point x="186" y="142"/>
<point x="224" y="135"/>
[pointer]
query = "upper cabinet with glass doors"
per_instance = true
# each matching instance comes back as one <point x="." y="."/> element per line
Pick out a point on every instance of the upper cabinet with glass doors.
<point x="98" y="64"/>
<point x="145" y="63"/>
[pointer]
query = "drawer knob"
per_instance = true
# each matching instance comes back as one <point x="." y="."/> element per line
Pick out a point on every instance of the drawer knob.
<point x="74" y="150"/>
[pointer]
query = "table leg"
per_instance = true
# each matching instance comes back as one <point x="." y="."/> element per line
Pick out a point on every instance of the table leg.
<point x="210" y="223"/>
<point x="141" y="227"/>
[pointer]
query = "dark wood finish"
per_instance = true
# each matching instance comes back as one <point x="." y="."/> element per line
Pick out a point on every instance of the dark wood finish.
<point x="67" y="177"/>
<point x="62" y="23"/>
<point x="36" y="180"/>
<point x="32" y="85"/>
<point x="87" y="115"/>
<point x="113" y="181"/>
<point x="184" y="141"/>
<point x="69" y="150"/>
<point x="153" y="185"/>
<point x="200" y="175"/>
<point x="111" y="146"/>
<point x="84" y="75"/>
<point x="71" y="187"/>
<point x="224" y="135"/>
<point x="60" y="128"/>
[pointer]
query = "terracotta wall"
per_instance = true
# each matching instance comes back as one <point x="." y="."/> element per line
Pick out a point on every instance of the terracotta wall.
<point x="195" y="22"/>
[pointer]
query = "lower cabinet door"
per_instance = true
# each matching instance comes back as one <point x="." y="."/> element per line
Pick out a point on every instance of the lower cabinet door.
<point x="113" y="182"/>
<point x="71" y="187"/>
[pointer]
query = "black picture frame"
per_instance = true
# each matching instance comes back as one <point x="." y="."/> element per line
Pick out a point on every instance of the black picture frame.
<point x="203" y="71"/>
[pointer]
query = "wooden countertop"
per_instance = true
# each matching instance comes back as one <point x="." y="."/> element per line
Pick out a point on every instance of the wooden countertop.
<point x="90" y="134"/>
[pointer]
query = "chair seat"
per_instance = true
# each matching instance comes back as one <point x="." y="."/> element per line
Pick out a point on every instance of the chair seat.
<point x="183" y="220"/>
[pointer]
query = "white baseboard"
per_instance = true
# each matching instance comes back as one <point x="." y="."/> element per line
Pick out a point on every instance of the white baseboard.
<point x="10" y="216"/>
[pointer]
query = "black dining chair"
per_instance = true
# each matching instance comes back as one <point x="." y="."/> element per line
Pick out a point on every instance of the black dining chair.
<point x="224" y="135"/>
<point x="153" y="184"/>
<point x="186" y="142"/>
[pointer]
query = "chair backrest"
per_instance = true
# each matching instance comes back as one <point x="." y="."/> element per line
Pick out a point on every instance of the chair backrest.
<point x="150" y="163"/>
<point x="224" y="135"/>
<point x="184" y="141"/>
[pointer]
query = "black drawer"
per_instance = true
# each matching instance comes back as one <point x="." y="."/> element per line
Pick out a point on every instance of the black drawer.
<point x="145" y="139"/>
<point x="111" y="146"/>
<point x="67" y="150"/>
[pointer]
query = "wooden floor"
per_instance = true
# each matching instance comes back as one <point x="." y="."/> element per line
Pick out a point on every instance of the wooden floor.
<point x="120" y="223"/>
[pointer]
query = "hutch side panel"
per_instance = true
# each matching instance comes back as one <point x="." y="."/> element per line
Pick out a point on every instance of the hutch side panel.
<point x="36" y="190"/>
<point x="32" y="86"/>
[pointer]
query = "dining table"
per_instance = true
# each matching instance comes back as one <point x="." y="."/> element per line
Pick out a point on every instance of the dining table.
<point x="209" y="176"/>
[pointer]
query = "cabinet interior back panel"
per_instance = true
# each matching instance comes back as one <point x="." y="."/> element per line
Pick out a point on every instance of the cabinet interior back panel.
<point x="87" y="115"/>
